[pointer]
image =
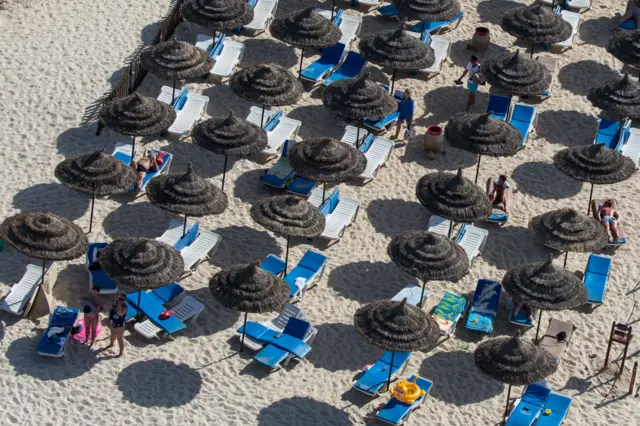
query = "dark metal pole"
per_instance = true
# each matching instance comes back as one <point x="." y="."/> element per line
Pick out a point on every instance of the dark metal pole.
<point x="393" y="353"/>
<point x="538" y="328"/>
<point x="422" y="32"/>
<point x="93" y="200"/>
<point x="506" y="409"/>
<point x="244" y="331"/>
<point x="324" y="189"/>
<point x="224" y="171"/>
<point x="133" y="149"/>
<point x="450" y="228"/>
<point x="184" y="227"/>
<point x="262" y="117"/>
<point x="333" y="6"/>
<point x="301" y="58"/>
<point x="286" y="256"/>
<point x="590" y="197"/>
<point x="424" y="284"/>
<point x="173" y="93"/>
<point x="393" y="81"/>
<point x="43" y="272"/>
<point x="478" y="168"/>
<point x="533" y="46"/>
<point x="138" y="311"/>
<point x="358" y="137"/>
<point x="566" y="255"/>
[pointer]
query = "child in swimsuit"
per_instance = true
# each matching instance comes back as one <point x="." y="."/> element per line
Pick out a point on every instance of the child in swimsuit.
<point x="608" y="219"/>
<point x="117" y="316"/>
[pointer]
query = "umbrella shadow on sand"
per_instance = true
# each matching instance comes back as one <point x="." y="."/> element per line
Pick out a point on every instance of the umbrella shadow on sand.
<point x="71" y="285"/>
<point x="143" y="219"/>
<point x="573" y="76"/>
<point x="248" y="188"/>
<point x="261" y="50"/>
<point x="316" y="119"/>
<point x="391" y="217"/>
<point x="544" y="180"/>
<point x="510" y="246"/>
<point x="173" y="385"/>
<point x="52" y="197"/>
<point x="299" y="410"/>
<point x="444" y="102"/>
<point x="551" y="123"/>
<point x="457" y="379"/>
<point x="339" y="347"/>
<point x="491" y="11"/>
<point x="461" y="54"/>
<point x="22" y="356"/>
<point x="368" y="281"/>
<point x="598" y="31"/>
<point x="232" y="102"/>
<point x="242" y="244"/>
<point x="205" y="163"/>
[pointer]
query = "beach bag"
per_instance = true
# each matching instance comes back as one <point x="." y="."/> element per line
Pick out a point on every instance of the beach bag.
<point x="409" y="133"/>
<point x="478" y="78"/>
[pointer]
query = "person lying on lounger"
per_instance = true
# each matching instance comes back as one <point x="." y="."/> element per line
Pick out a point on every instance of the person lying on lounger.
<point x="499" y="193"/>
<point x="523" y="307"/>
<point x="150" y="162"/>
<point x="609" y="219"/>
<point x="631" y="12"/>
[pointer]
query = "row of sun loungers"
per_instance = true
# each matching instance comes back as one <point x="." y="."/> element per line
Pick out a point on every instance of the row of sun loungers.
<point x="540" y="406"/>
<point x="349" y="25"/>
<point x="311" y="268"/>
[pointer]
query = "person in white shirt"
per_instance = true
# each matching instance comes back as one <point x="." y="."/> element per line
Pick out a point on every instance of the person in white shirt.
<point x="472" y="69"/>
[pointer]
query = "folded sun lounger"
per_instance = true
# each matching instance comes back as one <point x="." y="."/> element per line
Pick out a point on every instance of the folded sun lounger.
<point x="472" y="240"/>
<point x="441" y="48"/>
<point x="448" y="312"/>
<point x="499" y="106"/>
<point x="255" y="115"/>
<point x="123" y="153"/>
<point x="596" y="277"/>
<point x="263" y="13"/>
<point x="374" y="379"/>
<point x="328" y="61"/>
<point x="23" y="293"/>
<point x="550" y="340"/>
<point x="527" y="408"/>
<point x="186" y="115"/>
<point x="352" y="133"/>
<point x="55" y="337"/>
<point x="188" y="309"/>
<point x="484" y="307"/>
<point x="294" y="342"/>
<point x="395" y="412"/>
<point x="630" y="145"/>
<point x="524" y="118"/>
<point x="285" y="129"/>
<point x="311" y="268"/>
<point x="352" y="66"/>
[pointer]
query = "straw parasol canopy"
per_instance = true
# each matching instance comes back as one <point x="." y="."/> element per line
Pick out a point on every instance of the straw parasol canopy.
<point x="594" y="164"/>
<point x="141" y="262"/>
<point x="187" y="194"/>
<point x="137" y="115"/>
<point x="218" y="15"/>
<point x="516" y="74"/>
<point x="453" y="197"/>
<point x="176" y="60"/>
<point x="289" y="215"/>
<point x="428" y="256"/>
<point x="358" y="98"/>
<point x="44" y="235"/>
<point x="625" y="46"/>
<point x="568" y="230"/>
<point x="306" y="28"/>
<point x="229" y="135"/>
<point x="267" y="84"/>
<point x="428" y="10"/>
<point x="97" y="174"/>
<point x="482" y="134"/>
<point x="326" y="160"/>
<point x="537" y="24"/>
<point x="620" y="96"/>
<point x="397" y="50"/>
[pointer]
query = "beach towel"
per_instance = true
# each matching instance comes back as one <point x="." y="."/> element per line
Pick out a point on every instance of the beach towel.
<point x="449" y="310"/>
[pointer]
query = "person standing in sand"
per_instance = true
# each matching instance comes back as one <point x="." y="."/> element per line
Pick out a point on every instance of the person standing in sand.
<point x="405" y="110"/>
<point x="117" y="317"/>
<point x="92" y="307"/>
<point x="473" y="70"/>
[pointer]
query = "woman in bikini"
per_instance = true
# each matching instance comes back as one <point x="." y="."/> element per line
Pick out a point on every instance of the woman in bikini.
<point x="117" y="317"/>
<point x="150" y="162"/>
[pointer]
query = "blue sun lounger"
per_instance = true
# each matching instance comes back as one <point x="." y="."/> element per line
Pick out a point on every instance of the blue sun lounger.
<point x="380" y="124"/>
<point x="629" y="24"/>
<point x="122" y="152"/>
<point x="558" y="406"/>
<point x="311" y="267"/>
<point x="609" y="133"/>
<point x="282" y="347"/>
<point x="97" y="276"/>
<point x="436" y="26"/>
<point x="395" y="412"/>
<point x="523" y="118"/>
<point x="484" y="307"/>
<point x="499" y="106"/>
<point x="596" y="277"/>
<point x="329" y="59"/>
<point x="302" y="187"/>
<point x="56" y="335"/>
<point x="281" y="173"/>
<point x="522" y="319"/>
<point x="527" y="408"/>
<point x="273" y="264"/>
<point x="168" y="293"/>
<point x="350" y="68"/>
<point x="372" y="380"/>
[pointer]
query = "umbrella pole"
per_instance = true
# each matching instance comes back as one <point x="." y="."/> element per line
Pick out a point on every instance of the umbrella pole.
<point x="173" y="93"/>
<point x="538" y="329"/>
<point x="244" y="331"/>
<point x="93" y="201"/>
<point x="184" y="227"/>
<point x="590" y="197"/>
<point x="393" y="353"/>
<point x="478" y="168"/>
<point x="324" y="189"/>
<point x="262" y="117"/>
<point x="286" y="256"/>
<point x="138" y="311"/>
<point x="450" y="228"/>
<point x="358" y="137"/>
<point x="333" y="6"/>
<point x="43" y="272"/>
<point x="506" y="409"/>
<point x="224" y="171"/>
<point x="393" y="81"/>
<point x="301" y="58"/>
<point x="533" y="46"/>
<point x="566" y="255"/>
<point x="133" y="149"/>
<point x="424" y="284"/>
<point x="422" y="32"/>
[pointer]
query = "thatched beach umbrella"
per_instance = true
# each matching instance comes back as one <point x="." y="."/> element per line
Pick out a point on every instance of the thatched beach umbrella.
<point x="428" y="256"/>
<point x="397" y="50"/>
<point x="267" y="84"/>
<point x="544" y="286"/>
<point x="595" y="164"/>
<point x="141" y="263"/>
<point x="218" y="15"/>
<point x="175" y="60"/>
<point x="358" y="98"/>
<point x="428" y="10"/>
<point x="516" y="74"/>
<point x="289" y="215"/>
<point x="229" y="135"/>
<point x="45" y="236"/>
<point x="306" y="28"/>
<point x="187" y="194"/>
<point x="536" y="24"/>
<point x="482" y="134"/>
<point x="453" y="197"/>
<point x="568" y="230"/>
<point x="513" y="361"/>
<point x="326" y="160"/>
<point x="97" y="174"/>
<point x="249" y="289"/>
<point x="137" y="115"/>
<point x="396" y="327"/>
<point x="620" y="96"/>
<point x="625" y="46"/>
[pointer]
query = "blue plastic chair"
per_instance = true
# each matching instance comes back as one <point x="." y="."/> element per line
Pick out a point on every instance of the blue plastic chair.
<point x="596" y="277"/>
<point x="499" y="106"/>
<point x="522" y="118"/>
<point x="558" y="405"/>
<point x="350" y="68"/>
<point x="395" y="411"/>
<point x="330" y="58"/>
<point x="484" y="308"/>
<point x="375" y="377"/>
<point x="309" y="267"/>
<point x="272" y="355"/>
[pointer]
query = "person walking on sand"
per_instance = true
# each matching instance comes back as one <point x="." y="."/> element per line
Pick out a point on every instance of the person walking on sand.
<point x="405" y="110"/>
<point x="472" y="69"/>
<point x="92" y="307"/>
<point x="117" y="317"/>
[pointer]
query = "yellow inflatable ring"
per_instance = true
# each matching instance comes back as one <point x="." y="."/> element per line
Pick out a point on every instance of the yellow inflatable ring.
<point x="406" y="391"/>
<point x="547" y="412"/>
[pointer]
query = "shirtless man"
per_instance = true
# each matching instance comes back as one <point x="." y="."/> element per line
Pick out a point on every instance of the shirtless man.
<point x="146" y="163"/>
<point x="608" y="219"/>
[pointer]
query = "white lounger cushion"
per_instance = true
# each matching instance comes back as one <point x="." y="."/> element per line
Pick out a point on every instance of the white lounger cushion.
<point x="350" y="26"/>
<point x="473" y="241"/>
<point x="631" y="148"/>
<point x="377" y="155"/>
<point x="287" y="128"/>
<point x="341" y="217"/>
<point x="351" y="133"/>
<point x="173" y="233"/>
<point x="315" y="199"/>
<point x="22" y="292"/>
<point x="412" y="294"/>
<point x="574" y="19"/>
<point x="199" y="250"/>
<point x="255" y="115"/>
<point x="188" y="308"/>
<point x="262" y="13"/>
<point x="439" y="225"/>
<point x="191" y="112"/>
<point x="441" y="48"/>
<point x="228" y="59"/>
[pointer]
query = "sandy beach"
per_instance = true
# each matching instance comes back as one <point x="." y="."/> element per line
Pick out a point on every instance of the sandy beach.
<point x="61" y="56"/>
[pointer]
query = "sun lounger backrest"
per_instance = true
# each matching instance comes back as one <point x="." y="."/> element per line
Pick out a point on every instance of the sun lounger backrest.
<point x="338" y="17"/>
<point x="332" y="54"/>
<point x="558" y="406"/>
<point x="217" y="47"/>
<point x="367" y="143"/>
<point x="354" y="63"/>
<point x="524" y="113"/>
<point x="189" y="237"/>
<point x="168" y="292"/>
<point x="334" y="199"/>
<point x="536" y="394"/>
<point x="312" y="261"/>
<point x="399" y="358"/>
<point x="325" y="208"/>
<point x="599" y="265"/>
<point x="289" y="311"/>
<point x="297" y="328"/>
<point x="499" y="105"/>
<point x="273" y="121"/>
